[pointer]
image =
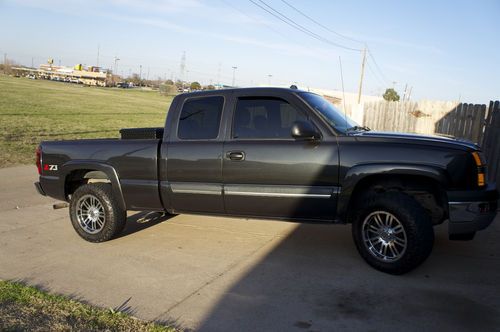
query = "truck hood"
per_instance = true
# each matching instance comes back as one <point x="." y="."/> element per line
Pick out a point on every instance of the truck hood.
<point x="449" y="141"/>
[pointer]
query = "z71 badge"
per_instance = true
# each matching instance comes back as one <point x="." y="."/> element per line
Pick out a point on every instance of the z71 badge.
<point x="49" y="167"/>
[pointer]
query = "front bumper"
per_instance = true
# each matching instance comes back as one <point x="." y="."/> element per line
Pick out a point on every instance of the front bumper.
<point x="471" y="211"/>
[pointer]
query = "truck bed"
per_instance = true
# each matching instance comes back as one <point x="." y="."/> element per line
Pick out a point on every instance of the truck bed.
<point x="125" y="156"/>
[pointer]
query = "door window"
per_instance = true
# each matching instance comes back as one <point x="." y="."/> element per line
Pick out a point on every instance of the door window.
<point x="264" y="117"/>
<point x="200" y="118"/>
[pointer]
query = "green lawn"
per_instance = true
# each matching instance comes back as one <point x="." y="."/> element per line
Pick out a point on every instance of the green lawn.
<point x="36" y="110"/>
<point x="24" y="308"/>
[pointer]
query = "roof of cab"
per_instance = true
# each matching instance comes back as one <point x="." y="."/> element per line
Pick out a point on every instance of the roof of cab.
<point x="246" y="90"/>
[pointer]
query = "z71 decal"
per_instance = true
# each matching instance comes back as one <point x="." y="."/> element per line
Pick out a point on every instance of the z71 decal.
<point x="49" y="167"/>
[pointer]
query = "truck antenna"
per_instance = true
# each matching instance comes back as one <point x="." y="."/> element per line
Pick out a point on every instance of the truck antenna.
<point x="343" y="91"/>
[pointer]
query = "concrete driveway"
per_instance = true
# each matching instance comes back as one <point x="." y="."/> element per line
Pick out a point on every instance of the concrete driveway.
<point x="225" y="274"/>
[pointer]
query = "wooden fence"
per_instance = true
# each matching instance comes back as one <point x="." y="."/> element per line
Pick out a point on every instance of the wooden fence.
<point x="391" y="116"/>
<point x="477" y="123"/>
<point x="491" y="141"/>
<point x="427" y="117"/>
<point x="464" y="121"/>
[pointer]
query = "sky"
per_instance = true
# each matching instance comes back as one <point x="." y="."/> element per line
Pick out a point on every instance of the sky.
<point x="443" y="50"/>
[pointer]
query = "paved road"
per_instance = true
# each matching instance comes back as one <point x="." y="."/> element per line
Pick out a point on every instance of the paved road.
<point x="225" y="274"/>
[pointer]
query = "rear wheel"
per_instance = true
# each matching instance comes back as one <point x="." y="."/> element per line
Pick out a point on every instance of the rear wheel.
<point x="392" y="232"/>
<point x="95" y="213"/>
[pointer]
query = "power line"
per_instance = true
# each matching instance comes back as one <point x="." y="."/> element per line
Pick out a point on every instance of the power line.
<point x="338" y="34"/>
<point x="285" y="19"/>
<point x="377" y="76"/>
<point x="253" y="18"/>
<point x="377" y="66"/>
<point x="275" y="13"/>
<point x="321" y="25"/>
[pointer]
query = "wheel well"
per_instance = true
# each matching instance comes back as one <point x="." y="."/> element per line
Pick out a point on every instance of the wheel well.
<point x="80" y="177"/>
<point x="428" y="192"/>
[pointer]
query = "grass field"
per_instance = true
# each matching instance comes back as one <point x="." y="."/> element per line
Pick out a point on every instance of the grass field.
<point x="24" y="308"/>
<point x="36" y="110"/>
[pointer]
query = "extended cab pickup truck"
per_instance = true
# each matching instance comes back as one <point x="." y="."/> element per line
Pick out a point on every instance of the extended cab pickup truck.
<point x="281" y="154"/>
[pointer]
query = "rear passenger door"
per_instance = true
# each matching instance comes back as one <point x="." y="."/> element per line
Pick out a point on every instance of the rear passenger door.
<point x="194" y="156"/>
<point x="269" y="173"/>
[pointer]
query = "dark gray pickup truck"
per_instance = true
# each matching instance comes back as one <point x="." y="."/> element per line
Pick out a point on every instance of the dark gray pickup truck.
<point x="281" y="154"/>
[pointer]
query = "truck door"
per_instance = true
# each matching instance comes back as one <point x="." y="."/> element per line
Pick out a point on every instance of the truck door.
<point x="194" y="157"/>
<point x="269" y="173"/>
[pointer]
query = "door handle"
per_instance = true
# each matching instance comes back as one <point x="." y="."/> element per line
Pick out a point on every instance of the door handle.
<point x="236" y="155"/>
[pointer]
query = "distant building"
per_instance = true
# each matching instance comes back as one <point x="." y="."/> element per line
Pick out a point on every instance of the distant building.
<point x="78" y="74"/>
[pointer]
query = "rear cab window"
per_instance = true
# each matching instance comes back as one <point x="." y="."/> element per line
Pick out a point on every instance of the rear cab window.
<point x="200" y="118"/>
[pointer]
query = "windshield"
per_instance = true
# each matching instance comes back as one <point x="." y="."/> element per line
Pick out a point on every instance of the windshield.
<point x="331" y="113"/>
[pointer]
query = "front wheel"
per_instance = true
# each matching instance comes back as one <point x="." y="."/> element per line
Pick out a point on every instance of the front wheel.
<point x="392" y="232"/>
<point x="95" y="213"/>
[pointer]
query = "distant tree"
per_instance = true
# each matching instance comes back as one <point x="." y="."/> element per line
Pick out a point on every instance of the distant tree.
<point x="168" y="89"/>
<point x="195" y="86"/>
<point x="135" y="79"/>
<point x="391" y="95"/>
<point x="210" y="87"/>
<point x="6" y="67"/>
<point x="169" y="82"/>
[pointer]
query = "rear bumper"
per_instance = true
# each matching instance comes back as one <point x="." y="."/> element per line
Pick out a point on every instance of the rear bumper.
<point x="39" y="188"/>
<point x="471" y="211"/>
<point x="50" y="186"/>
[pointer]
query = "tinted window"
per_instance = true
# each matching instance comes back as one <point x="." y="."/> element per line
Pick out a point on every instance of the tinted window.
<point x="332" y="114"/>
<point x="264" y="118"/>
<point x="200" y="118"/>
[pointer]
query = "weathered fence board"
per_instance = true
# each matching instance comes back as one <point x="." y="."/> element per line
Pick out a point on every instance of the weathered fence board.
<point x="448" y="118"/>
<point x="477" y="123"/>
<point x="491" y="141"/>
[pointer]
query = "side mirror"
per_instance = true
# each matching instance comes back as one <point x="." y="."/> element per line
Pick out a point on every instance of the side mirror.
<point x="304" y="130"/>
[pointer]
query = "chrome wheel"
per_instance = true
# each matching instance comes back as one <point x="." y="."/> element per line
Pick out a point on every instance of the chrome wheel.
<point x="384" y="236"/>
<point x="90" y="214"/>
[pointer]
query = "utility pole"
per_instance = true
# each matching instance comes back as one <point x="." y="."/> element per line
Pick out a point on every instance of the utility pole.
<point x="114" y="68"/>
<point x="409" y="93"/>
<point x="140" y="75"/>
<point x="218" y="75"/>
<point x="234" y="73"/>
<point x="97" y="62"/>
<point x="362" y="75"/>
<point x="404" y="94"/>
<point x="147" y="77"/>
<point x="182" y="67"/>
<point x="5" y="58"/>
<point x="32" y="62"/>
<point x="269" y="79"/>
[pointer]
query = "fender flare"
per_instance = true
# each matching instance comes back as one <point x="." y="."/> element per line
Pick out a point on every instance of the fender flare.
<point x="359" y="172"/>
<point x="74" y="165"/>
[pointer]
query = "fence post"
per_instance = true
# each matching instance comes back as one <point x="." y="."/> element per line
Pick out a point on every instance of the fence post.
<point x="491" y="141"/>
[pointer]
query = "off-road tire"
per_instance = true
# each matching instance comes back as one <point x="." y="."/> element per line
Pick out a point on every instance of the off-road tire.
<point x="114" y="216"/>
<point x="415" y="220"/>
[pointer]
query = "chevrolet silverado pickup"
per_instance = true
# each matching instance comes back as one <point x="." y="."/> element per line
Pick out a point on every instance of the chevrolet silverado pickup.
<point x="280" y="154"/>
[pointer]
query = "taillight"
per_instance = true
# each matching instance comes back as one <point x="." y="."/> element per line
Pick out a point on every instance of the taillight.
<point x="481" y="168"/>
<point x="39" y="160"/>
